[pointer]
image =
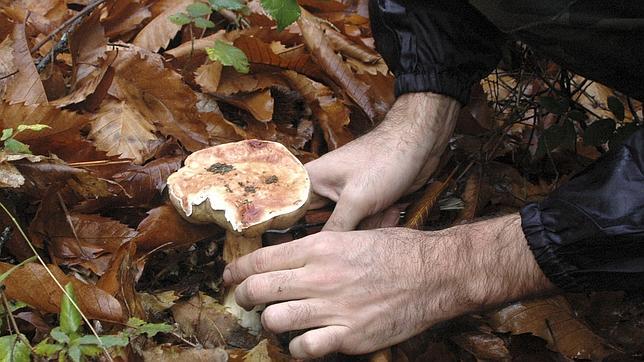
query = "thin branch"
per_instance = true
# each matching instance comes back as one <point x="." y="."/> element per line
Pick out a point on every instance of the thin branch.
<point x="7" y="309"/>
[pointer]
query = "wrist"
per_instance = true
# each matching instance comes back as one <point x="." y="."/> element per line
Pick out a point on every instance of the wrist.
<point x="424" y="121"/>
<point x="502" y="267"/>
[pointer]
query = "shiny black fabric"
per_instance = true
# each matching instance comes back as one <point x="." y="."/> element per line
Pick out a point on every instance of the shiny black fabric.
<point x="444" y="46"/>
<point x="589" y="234"/>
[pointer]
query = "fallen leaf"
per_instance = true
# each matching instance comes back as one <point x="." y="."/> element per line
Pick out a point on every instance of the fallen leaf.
<point x="10" y="176"/>
<point x="164" y="226"/>
<point x="553" y="320"/>
<point x="26" y="86"/>
<point x="332" y="63"/>
<point x="331" y="113"/>
<point x="471" y="195"/>
<point x="419" y="212"/>
<point x="264" y="351"/>
<point x="7" y="68"/>
<point x="157" y="303"/>
<point x="33" y="285"/>
<point x="232" y="82"/>
<point x="178" y="354"/>
<point x="119" y="280"/>
<point x="160" y="95"/>
<point x="208" y="321"/>
<point x="58" y="120"/>
<point x="121" y="130"/>
<point x="124" y="16"/>
<point x="208" y="76"/>
<point x="348" y="48"/>
<point x="483" y="345"/>
<point x="77" y="239"/>
<point x="158" y="32"/>
<point x="259" y="104"/>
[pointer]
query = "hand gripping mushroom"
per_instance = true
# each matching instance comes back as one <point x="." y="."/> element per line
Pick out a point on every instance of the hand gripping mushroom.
<point x="245" y="187"/>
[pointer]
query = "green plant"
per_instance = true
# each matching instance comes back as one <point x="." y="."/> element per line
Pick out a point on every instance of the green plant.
<point x="14" y="347"/>
<point x="284" y="12"/>
<point x="67" y="339"/>
<point x="11" y="144"/>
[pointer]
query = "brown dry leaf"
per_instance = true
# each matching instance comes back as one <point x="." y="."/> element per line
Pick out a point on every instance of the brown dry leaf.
<point x="207" y="320"/>
<point x="332" y="63"/>
<point x="160" y="95"/>
<point x="419" y="212"/>
<point x="158" y="32"/>
<point x="219" y="129"/>
<point x="232" y="82"/>
<point x="199" y="46"/>
<point x="51" y="172"/>
<point x="10" y="176"/>
<point x="331" y="114"/>
<point x="348" y="48"/>
<point x="146" y="182"/>
<point x="208" y="76"/>
<point x="295" y="58"/>
<point x="11" y="116"/>
<point x="167" y="353"/>
<point x="483" y="345"/>
<point x="259" y="104"/>
<point x="26" y="86"/>
<point x="90" y="61"/>
<point x="324" y="5"/>
<point x="124" y="16"/>
<point x="7" y="68"/>
<point x="77" y="239"/>
<point x="264" y="351"/>
<point x="120" y="130"/>
<point x="471" y="197"/>
<point x="165" y="227"/>
<point x="553" y="320"/>
<point x="119" y="280"/>
<point x="33" y="285"/>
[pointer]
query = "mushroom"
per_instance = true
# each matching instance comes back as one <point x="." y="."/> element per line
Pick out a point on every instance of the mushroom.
<point x="245" y="187"/>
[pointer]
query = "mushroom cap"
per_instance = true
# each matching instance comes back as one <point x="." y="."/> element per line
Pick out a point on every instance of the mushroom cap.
<point x="246" y="187"/>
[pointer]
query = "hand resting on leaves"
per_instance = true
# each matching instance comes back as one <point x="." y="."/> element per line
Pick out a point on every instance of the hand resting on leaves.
<point x="369" y="174"/>
<point x="364" y="290"/>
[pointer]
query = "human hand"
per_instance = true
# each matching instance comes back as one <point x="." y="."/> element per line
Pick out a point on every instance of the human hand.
<point x="364" y="290"/>
<point x="369" y="174"/>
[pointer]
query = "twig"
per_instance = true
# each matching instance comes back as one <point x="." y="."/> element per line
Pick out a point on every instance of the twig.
<point x="5" y="304"/>
<point x="8" y="75"/>
<point x="82" y="13"/>
<point x="62" y="289"/>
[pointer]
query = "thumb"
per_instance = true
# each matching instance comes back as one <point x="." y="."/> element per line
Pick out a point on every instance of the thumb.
<point x="346" y="215"/>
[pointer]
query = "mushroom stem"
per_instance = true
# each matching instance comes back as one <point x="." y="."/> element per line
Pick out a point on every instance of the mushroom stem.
<point x="237" y="245"/>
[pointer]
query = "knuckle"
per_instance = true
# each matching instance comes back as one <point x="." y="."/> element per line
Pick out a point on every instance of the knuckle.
<point x="252" y="289"/>
<point x="271" y="317"/>
<point x="260" y="261"/>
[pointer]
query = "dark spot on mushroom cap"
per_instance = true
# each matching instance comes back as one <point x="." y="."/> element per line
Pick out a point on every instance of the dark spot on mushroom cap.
<point x="256" y="144"/>
<point x="271" y="180"/>
<point x="220" y="168"/>
<point x="250" y="189"/>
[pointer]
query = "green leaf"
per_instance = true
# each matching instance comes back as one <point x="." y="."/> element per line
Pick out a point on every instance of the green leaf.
<point x="31" y="127"/>
<point x="6" y="134"/>
<point x="180" y="19"/>
<point x="616" y="107"/>
<point x="15" y="146"/>
<point x="285" y="12"/>
<point x="91" y="351"/>
<point x="226" y="4"/>
<point x="74" y="353"/>
<point x="47" y="349"/>
<point x="599" y="132"/>
<point x="6" y="274"/>
<point x="229" y="55"/>
<point x="70" y="318"/>
<point x="13" y="349"/>
<point x="59" y="336"/>
<point x="119" y="340"/>
<point x="204" y="23"/>
<point x="198" y="9"/>
<point x="151" y="329"/>
<point x="552" y="105"/>
<point x="135" y="322"/>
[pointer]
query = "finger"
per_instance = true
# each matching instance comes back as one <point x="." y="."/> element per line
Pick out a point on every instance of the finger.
<point x="271" y="287"/>
<point x="298" y="314"/>
<point x="289" y="255"/>
<point x="346" y="215"/>
<point x="318" y="342"/>
<point x="385" y="219"/>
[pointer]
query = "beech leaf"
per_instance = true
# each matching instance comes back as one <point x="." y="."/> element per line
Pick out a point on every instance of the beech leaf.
<point x="226" y="4"/>
<point x="284" y="12"/>
<point x="198" y="9"/>
<point x="229" y="55"/>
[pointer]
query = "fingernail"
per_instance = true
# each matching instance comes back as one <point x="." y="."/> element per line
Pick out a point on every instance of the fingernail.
<point x="228" y="277"/>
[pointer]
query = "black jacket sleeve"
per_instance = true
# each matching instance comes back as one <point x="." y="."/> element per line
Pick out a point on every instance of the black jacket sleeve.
<point x="589" y="234"/>
<point x="435" y="46"/>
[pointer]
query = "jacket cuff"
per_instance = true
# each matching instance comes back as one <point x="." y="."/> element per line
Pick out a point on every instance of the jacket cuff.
<point x="436" y="82"/>
<point x="544" y="248"/>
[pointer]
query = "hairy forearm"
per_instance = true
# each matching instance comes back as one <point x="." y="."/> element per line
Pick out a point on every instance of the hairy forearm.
<point x="482" y="265"/>
<point x="422" y="120"/>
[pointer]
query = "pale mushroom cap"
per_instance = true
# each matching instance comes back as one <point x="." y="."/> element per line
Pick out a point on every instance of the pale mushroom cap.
<point x="241" y="185"/>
